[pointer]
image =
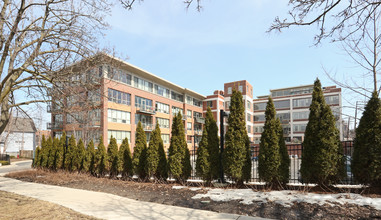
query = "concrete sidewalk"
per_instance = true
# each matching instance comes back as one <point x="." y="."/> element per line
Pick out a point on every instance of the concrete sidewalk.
<point x="108" y="206"/>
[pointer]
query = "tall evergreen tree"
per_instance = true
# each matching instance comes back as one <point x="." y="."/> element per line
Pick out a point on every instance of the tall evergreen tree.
<point x="91" y="161"/>
<point x="113" y="157"/>
<point x="235" y="158"/>
<point x="153" y="153"/>
<point x="139" y="158"/>
<point x="162" y="168"/>
<point x="179" y="156"/>
<point x="322" y="158"/>
<point x="213" y="144"/>
<point x="70" y="155"/>
<point x="36" y="160"/>
<point x="42" y="152"/>
<point x="126" y="159"/>
<point x="63" y="146"/>
<point x="203" y="162"/>
<point x="101" y="160"/>
<point x="269" y="157"/>
<point x="284" y="168"/>
<point x="55" y="157"/>
<point x="366" y="163"/>
<point x="47" y="153"/>
<point x="80" y="156"/>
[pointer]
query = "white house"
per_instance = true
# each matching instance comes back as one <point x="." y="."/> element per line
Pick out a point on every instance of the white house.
<point x="19" y="134"/>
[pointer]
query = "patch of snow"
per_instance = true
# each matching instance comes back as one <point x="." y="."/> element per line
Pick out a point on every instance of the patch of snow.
<point x="178" y="187"/>
<point x="194" y="188"/>
<point x="287" y="198"/>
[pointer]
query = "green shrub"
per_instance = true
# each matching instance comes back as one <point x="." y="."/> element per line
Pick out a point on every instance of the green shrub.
<point x="4" y="162"/>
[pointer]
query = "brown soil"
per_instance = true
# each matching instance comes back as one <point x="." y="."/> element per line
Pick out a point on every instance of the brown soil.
<point x="14" y="206"/>
<point x="164" y="194"/>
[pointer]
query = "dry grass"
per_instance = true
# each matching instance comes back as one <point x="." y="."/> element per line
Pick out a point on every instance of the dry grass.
<point x="14" y="206"/>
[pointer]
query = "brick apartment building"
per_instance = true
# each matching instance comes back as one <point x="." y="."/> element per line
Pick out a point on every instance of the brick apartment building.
<point x="126" y="94"/>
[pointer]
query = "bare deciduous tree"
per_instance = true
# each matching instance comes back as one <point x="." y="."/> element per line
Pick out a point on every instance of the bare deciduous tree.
<point x="39" y="38"/>
<point x="336" y="19"/>
<point x="365" y="53"/>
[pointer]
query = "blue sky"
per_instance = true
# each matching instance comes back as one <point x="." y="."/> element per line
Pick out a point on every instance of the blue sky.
<point x="226" y="41"/>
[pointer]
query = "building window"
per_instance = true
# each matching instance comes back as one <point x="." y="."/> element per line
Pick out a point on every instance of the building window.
<point x="189" y="126"/>
<point x="283" y="117"/>
<point x="331" y="100"/>
<point x="161" y="107"/>
<point x="162" y="91"/>
<point x="249" y="128"/>
<point x="300" y="115"/>
<point x="299" y="127"/>
<point x="240" y="88"/>
<point x="143" y="102"/>
<point x="248" y="117"/>
<point x="229" y="90"/>
<point x="227" y="105"/>
<point x="248" y="105"/>
<point x="259" y="118"/>
<point x="258" y="129"/>
<point x="146" y="120"/>
<point x="119" y="136"/>
<point x="302" y="102"/>
<point x="162" y="122"/>
<point x="197" y="115"/>
<point x="197" y="103"/>
<point x="282" y="104"/>
<point x="177" y="96"/>
<point x="189" y="113"/>
<point x="209" y="104"/>
<point x="189" y="100"/>
<point x="119" y="116"/>
<point x="119" y="97"/>
<point x="260" y="106"/>
<point x="176" y="110"/>
<point x="165" y="138"/>
<point x="143" y="84"/>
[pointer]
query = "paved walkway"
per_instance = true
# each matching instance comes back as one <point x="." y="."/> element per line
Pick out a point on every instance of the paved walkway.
<point x="16" y="166"/>
<point x="108" y="206"/>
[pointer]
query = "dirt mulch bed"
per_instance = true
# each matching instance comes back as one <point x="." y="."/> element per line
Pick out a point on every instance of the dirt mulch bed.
<point x="15" y="206"/>
<point x="165" y="194"/>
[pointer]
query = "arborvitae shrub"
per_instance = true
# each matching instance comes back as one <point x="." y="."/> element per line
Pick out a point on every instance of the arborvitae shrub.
<point x="179" y="157"/>
<point x="284" y="168"/>
<point x="139" y="158"/>
<point x="91" y="162"/>
<point x="55" y="154"/>
<point x="63" y="146"/>
<point x="36" y="159"/>
<point x="213" y="145"/>
<point x="126" y="159"/>
<point x="162" y="168"/>
<point x="322" y="158"/>
<point x="80" y="157"/>
<point x="269" y="158"/>
<point x="113" y="157"/>
<point x="366" y="163"/>
<point x="153" y="153"/>
<point x="101" y="159"/>
<point x="235" y="156"/>
<point x="70" y="162"/>
<point x="202" y="162"/>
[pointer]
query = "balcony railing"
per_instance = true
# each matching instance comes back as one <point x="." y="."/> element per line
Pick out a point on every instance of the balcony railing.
<point x="198" y="132"/>
<point x="145" y="109"/>
<point x="147" y="127"/>
<point x="200" y="120"/>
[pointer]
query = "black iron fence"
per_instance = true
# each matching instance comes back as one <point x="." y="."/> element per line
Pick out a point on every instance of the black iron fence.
<point x="5" y="157"/>
<point x="295" y="154"/>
